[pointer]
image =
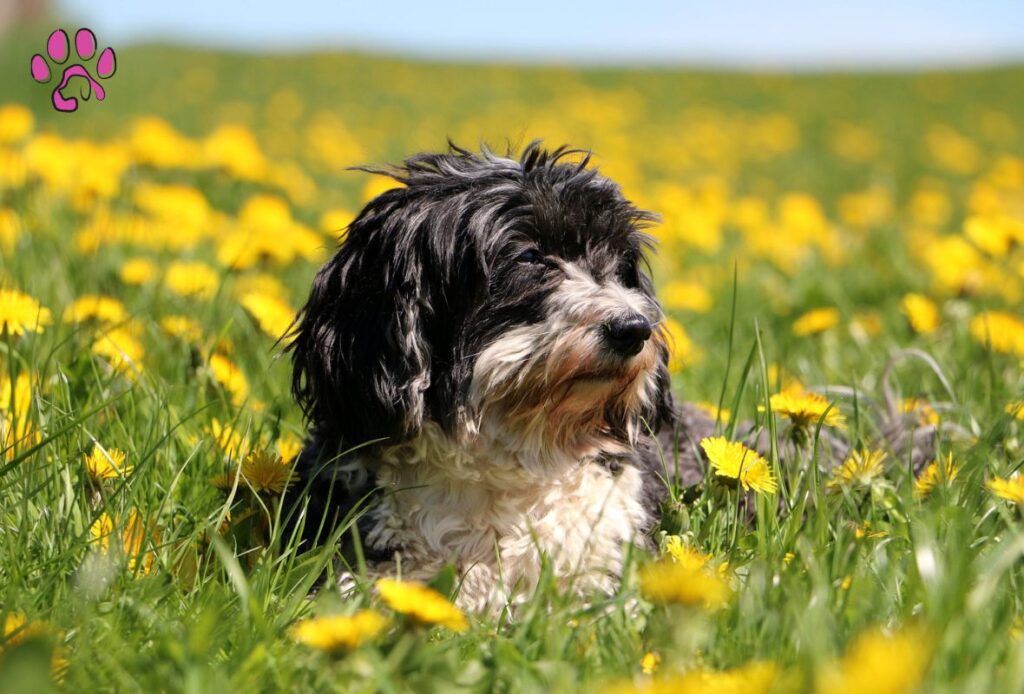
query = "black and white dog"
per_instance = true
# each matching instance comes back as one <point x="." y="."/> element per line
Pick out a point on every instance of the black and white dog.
<point x="491" y="330"/>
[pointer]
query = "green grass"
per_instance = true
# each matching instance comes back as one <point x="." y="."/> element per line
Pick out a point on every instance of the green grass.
<point x="213" y="610"/>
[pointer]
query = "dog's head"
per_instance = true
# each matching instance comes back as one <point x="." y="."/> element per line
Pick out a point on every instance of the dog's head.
<point x="490" y="296"/>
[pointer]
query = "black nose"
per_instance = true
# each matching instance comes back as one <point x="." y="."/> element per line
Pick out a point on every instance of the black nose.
<point x="626" y="335"/>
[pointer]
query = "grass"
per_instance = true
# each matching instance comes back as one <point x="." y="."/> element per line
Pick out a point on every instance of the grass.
<point x="780" y="194"/>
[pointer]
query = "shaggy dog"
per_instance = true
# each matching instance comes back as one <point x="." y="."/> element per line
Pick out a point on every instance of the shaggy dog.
<point x="484" y="370"/>
<point x="483" y="362"/>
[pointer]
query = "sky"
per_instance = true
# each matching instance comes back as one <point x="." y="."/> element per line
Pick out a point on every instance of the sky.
<point x="731" y="33"/>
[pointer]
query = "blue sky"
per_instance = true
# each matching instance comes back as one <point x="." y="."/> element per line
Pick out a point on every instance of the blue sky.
<point x="744" y="33"/>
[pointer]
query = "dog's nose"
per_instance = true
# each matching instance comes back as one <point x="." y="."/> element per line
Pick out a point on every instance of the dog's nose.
<point x="626" y="335"/>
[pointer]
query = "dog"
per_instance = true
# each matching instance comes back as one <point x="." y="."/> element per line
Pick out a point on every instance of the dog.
<point x="484" y="370"/>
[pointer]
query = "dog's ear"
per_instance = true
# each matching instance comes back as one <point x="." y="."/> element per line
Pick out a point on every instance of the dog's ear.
<point x="360" y="360"/>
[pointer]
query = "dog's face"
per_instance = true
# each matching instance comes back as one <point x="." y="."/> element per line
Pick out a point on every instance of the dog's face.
<point x="493" y="297"/>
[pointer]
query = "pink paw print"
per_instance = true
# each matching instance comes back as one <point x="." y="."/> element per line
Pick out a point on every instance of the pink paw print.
<point x="58" y="50"/>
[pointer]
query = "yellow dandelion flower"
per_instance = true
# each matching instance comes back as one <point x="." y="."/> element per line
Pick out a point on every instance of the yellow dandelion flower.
<point x="936" y="473"/>
<point x="138" y="271"/>
<point x="376" y="185"/>
<point x="272" y="314"/>
<point x="788" y="558"/>
<point x="261" y="283"/>
<point x="736" y="461"/>
<point x="104" y="309"/>
<point x="879" y="663"/>
<point x="335" y="222"/>
<point x="131" y="542"/>
<point x="1016" y="409"/>
<point x="864" y="531"/>
<point x="1002" y="331"/>
<point x="229" y="376"/>
<point x="20" y="313"/>
<point x="753" y="678"/>
<point x="650" y="662"/>
<point x="861" y="468"/>
<point x="107" y="464"/>
<point x="120" y="348"/>
<point x="339" y="632"/>
<point x="16" y="123"/>
<point x="816" y="321"/>
<point x="19" y="629"/>
<point x="423" y="604"/>
<point x="682" y="351"/>
<point x="685" y="296"/>
<point x="714" y="412"/>
<point x="805" y="409"/>
<point x="10" y="229"/>
<point x="192" y="278"/>
<point x="289" y="447"/>
<point x="182" y="327"/>
<point x="679" y="584"/>
<point x="866" y="324"/>
<point x="261" y="472"/>
<point x="921" y="313"/>
<point x="1011" y="489"/>
<point x="926" y="414"/>
<point x="683" y="553"/>
<point x="228" y="439"/>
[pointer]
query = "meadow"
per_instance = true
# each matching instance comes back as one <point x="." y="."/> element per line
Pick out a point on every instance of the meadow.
<point x="857" y="235"/>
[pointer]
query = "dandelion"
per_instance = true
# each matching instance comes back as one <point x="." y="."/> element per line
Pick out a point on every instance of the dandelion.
<point x="272" y="314"/>
<point x="736" y="461"/>
<point x="682" y="351"/>
<point x="289" y="447"/>
<point x="1011" y="489"/>
<point x="335" y="222"/>
<point x="935" y="473"/>
<point x="192" y="278"/>
<point x="16" y="123"/>
<point x="685" y="296"/>
<point x="685" y="554"/>
<point x="682" y="584"/>
<point x="803" y="408"/>
<point x="861" y="468"/>
<point x="10" y="229"/>
<point x="229" y="376"/>
<point x="650" y="662"/>
<point x="130" y="542"/>
<point x="864" y="531"/>
<point x="1016" y="409"/>
<point x="137" y="271"/>
<point x="339" y="632"/>
<point x="106" y="464"/>
<point x="816" y="321"/>
<point x="879" y="663"/>
<point x="104" y="309"/>
<point x="921" y="313"/>
<point x="182" y="327"/>
<point x="18" y="629"/>
<point x="1002" y="331"/>
<point x="261" y="472"/>
<point x="926" y="414"/>
<point x="120" y="348"/>
<point x="713" y="411"/>
<point x="422" y="604"/>
<point x="228" y="439"/>
<point x="20" y="313"/>
<point x="753" y="678"/>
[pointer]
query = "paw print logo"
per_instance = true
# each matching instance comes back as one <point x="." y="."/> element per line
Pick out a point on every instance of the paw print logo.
<point x="58" y="50"/>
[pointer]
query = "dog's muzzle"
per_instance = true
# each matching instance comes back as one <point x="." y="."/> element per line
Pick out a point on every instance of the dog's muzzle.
<point x="626" y="335"/>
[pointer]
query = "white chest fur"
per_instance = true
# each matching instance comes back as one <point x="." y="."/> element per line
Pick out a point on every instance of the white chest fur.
<point x="494" y="522"/>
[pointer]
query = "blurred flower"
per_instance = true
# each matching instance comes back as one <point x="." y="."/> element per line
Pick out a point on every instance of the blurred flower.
<point x="289" y="447"/>
<point x="752" y="678"/>
<point x="880" y="663"/>
<point x="335" y="222"/>
<point x="228" y="439"/>
<point x="130" y="542"/>
<point x="106" y="464"/>
<point x="866" y="324"/>
<point x="1016" y="409"/>
<point x="104" y="309"/>
<point x="682" y="584"/>
<point x="859" y="469"/>
<point x="685" y="296"/>
<point x="734" y="460"/>
<point x="120" y="348"/>
<point x="182" y="327"/>
<point x="684" y="553"/>
<point x="272" y="315"/>
<point x="20" y="313"/>
<point x="229" y="376"/>
<point x="16" y="123"/>
<point x="1002" y="331"/>
<point x="192" y="278"/>
<point x="137" y="271"/>
<point x="937" y="472"/>
<point x="10" y="229"/>
<point x="713" y="411"/>
<point x="650" y="662"/>
<point x="816" y="321"/>
<point x="805" y="409"/>
<point x="921" y="313"/>
<point x="1011" y="489"/>
<point x="339" y="632"/>
<point x="423" y="604"/>
<point x="926" y="413"/>
<point x="682" y="351"/>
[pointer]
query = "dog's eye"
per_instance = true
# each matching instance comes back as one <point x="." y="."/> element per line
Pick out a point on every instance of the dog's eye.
<point x="530" y="256"/>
